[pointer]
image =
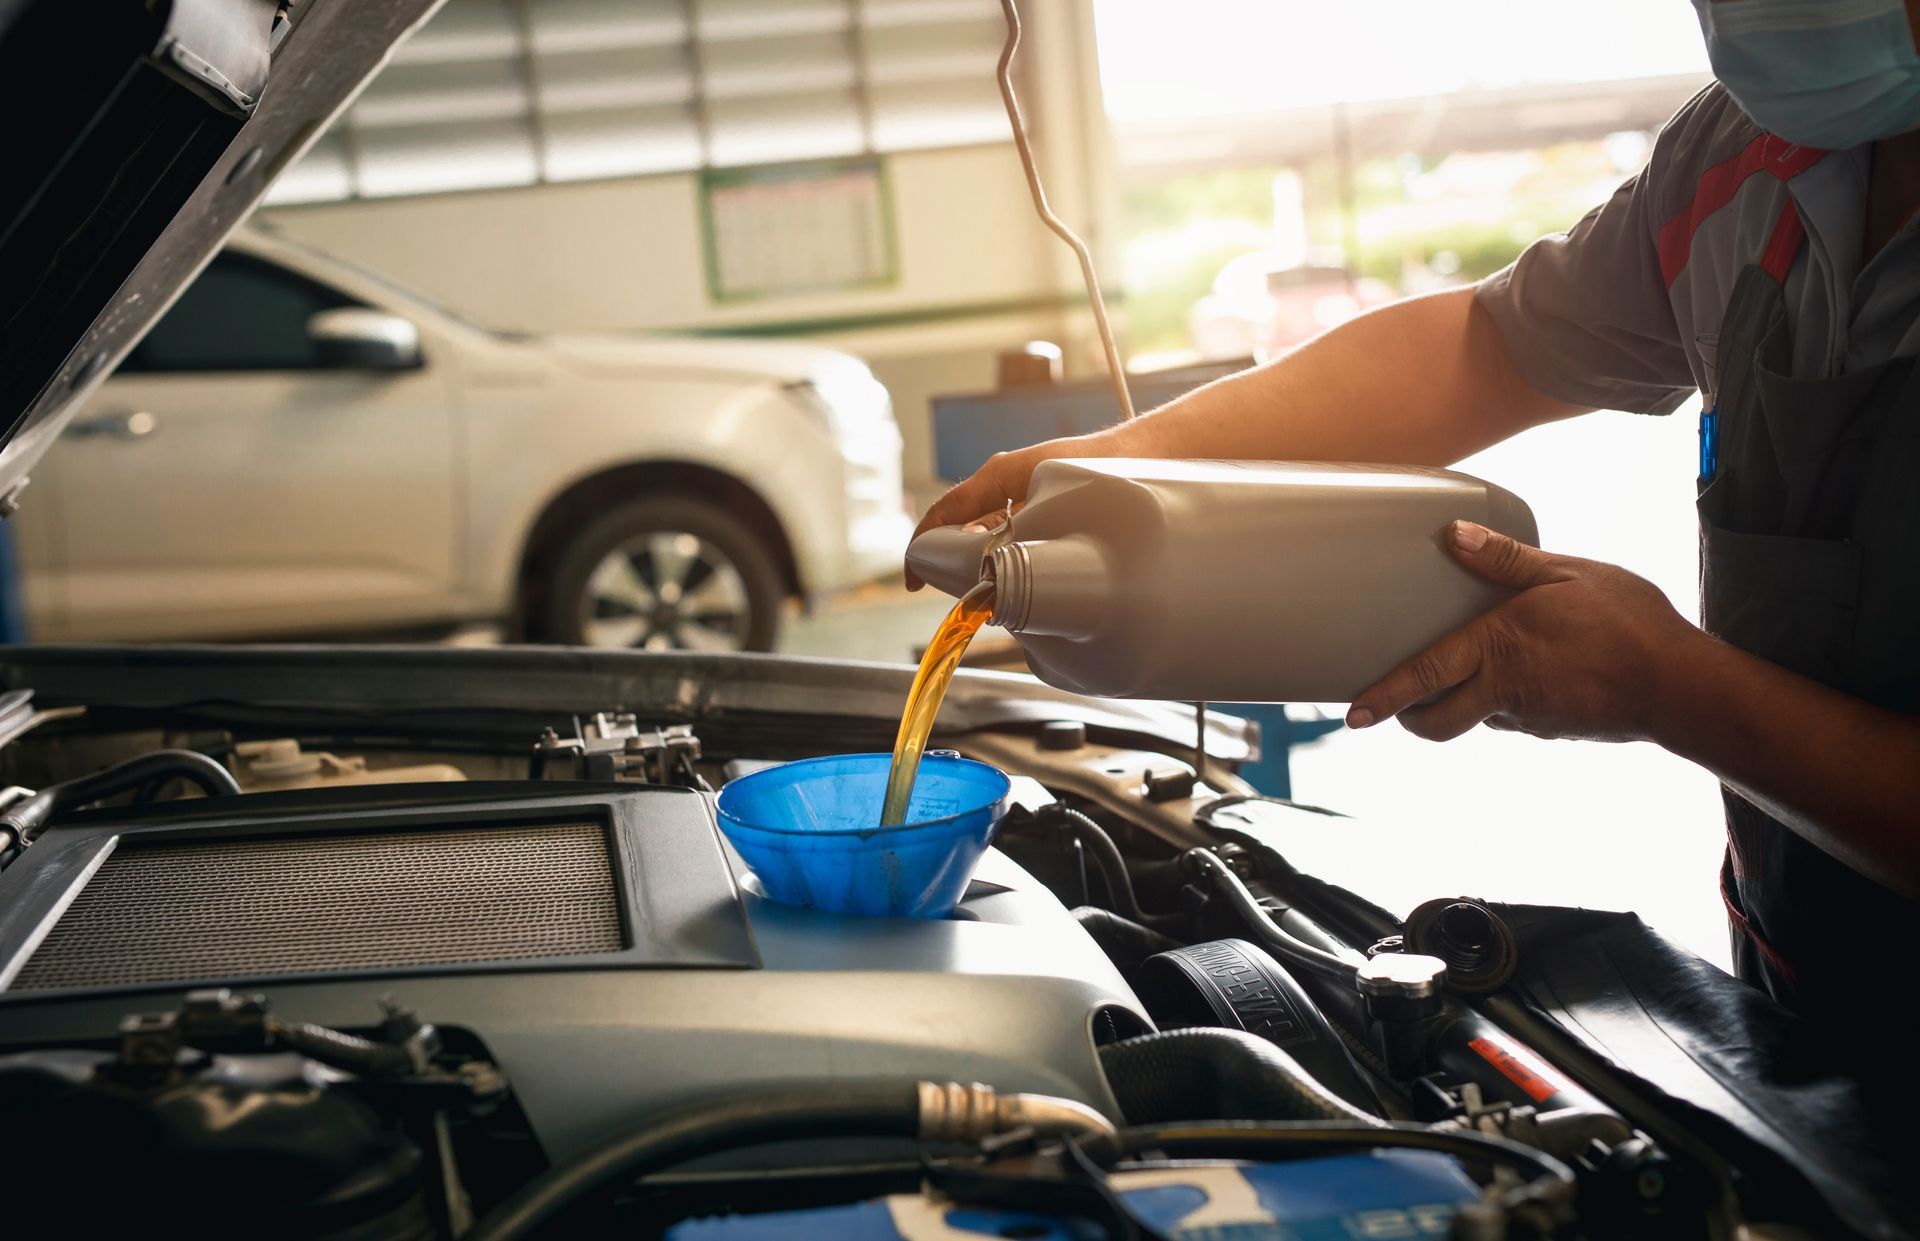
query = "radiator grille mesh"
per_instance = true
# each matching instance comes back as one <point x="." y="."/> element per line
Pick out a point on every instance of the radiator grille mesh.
<point x="173" y="912"/>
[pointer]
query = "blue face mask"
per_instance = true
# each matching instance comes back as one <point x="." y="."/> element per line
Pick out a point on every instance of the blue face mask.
<point x="1821" y="73"/>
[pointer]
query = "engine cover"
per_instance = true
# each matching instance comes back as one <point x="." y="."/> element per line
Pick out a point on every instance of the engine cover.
<point x="602" y="942"/>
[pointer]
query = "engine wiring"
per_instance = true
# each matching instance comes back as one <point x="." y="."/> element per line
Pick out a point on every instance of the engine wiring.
<point x="27" y="818"/>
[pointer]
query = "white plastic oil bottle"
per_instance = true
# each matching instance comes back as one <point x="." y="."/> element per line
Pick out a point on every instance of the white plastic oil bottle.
<point x="1228" y="581"/>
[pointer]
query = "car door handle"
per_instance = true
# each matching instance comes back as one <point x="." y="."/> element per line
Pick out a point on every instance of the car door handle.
<point x="128" y="426"/>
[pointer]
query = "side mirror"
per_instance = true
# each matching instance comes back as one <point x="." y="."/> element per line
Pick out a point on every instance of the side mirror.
<point x="355" y="338"/>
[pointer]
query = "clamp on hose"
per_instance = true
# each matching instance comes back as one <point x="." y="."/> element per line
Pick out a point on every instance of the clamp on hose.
<point x="951" y="1112"/>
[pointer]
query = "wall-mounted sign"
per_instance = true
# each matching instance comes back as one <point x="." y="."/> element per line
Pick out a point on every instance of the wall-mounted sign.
<point x="797" y="228"/>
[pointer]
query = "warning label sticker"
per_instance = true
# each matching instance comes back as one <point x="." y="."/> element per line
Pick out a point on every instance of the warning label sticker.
<point x="1519" y="1066"/>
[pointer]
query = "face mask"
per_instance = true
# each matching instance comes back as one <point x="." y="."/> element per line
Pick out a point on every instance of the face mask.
<point x="1821" y="73"/>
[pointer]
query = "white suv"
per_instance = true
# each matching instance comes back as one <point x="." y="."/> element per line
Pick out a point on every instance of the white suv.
<point x="298" y="446"/>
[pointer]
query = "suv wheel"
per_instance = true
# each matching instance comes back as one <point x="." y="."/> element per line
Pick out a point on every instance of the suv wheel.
<point x="663" y="574"/>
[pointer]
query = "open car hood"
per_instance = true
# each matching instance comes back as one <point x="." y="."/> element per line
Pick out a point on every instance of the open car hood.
<point x="444" y="686"/>
<point x="144" y="133"/>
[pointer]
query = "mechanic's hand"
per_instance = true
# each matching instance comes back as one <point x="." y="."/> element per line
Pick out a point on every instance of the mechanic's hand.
<point x="981" y="501"/>
<point x="1579" y="652"/>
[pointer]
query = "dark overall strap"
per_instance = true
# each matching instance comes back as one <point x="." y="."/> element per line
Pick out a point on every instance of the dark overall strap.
<point x="1810" y="560"/>
<point x="1789" y="237"/>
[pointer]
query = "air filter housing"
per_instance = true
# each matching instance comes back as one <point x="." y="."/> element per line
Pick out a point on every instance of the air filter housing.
<point x="449" y="888"/>
<point x="175" y="912"/>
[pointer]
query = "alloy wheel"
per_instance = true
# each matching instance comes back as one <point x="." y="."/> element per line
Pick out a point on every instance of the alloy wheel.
<point x="666" y="590"/>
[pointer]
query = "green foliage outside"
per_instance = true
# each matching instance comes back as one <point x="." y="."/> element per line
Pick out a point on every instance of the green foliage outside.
<point x="1242" y="194"/>
<point x="1395" y="231"/>
<point x="1157" y="311"/>
<point x="1478" y="249"/>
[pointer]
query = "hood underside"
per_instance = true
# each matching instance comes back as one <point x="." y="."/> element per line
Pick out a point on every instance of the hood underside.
<point x="401" y="684"/>
<point x="154" y="130"/>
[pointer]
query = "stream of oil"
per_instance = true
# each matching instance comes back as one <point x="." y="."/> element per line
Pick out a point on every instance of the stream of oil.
<point x="929" y="688"/>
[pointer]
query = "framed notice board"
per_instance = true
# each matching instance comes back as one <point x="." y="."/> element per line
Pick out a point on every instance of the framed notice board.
<point x="798" y="228"/>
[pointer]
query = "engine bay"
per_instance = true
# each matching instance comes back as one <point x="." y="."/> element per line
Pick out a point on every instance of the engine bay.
<point x="465" y="964"/>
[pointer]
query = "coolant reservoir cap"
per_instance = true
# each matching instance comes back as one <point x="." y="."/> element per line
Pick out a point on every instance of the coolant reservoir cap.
<point x="278" y="759"/>
<point x="1401" y="976"/>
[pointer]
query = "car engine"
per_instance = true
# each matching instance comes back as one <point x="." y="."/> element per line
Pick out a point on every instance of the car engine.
<point x="497" y="973"/>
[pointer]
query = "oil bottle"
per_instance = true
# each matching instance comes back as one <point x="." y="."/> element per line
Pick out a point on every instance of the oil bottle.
<point x="1228" y="581"/>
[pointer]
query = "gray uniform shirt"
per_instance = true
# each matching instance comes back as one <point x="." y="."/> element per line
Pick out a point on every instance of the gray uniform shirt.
<point x="1623" y="311"/>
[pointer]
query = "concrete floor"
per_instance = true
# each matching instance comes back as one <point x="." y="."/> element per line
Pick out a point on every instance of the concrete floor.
<point x="878" y="621"/>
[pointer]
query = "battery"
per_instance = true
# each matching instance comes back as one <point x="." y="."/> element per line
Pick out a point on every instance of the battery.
<point x="1384" y="1193"/>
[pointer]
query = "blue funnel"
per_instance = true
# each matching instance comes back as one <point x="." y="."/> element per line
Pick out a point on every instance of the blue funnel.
<point x="809" y="831"/>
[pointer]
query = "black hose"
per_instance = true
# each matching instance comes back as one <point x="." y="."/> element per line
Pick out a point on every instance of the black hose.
<point x="1198" y="1074"/>
<point x="1352" y="917"/>
<point x="344" y="1051"/>
<point x="1235" y="985"/>
<point x="1288" y="948"/>
<point x="1107" y="858"/>
<point x="886" y="1108"/>
<point x="27" y="818"/>
<point x="1543" y="1202"/>
<point x="1125" y="941"/>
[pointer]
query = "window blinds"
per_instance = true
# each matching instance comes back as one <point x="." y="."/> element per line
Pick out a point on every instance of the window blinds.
<point x="518" y="92"/>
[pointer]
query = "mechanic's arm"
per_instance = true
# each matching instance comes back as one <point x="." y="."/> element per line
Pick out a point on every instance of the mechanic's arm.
<point x="1424" y="381"/>
<point x="1590" y="650"/>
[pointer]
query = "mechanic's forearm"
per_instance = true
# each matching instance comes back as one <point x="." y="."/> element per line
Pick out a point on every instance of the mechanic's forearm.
<point x="1424" y="381"/>
<point x="1839" y="771"/>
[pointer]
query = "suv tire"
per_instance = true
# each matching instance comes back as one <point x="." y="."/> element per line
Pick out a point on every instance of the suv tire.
<point x="669" y="572"/>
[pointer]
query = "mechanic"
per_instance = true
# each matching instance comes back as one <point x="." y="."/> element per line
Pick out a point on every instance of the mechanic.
<point x="1768" y="257"/>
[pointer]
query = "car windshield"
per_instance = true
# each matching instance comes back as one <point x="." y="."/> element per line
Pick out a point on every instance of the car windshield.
<point x="393" y="290"/>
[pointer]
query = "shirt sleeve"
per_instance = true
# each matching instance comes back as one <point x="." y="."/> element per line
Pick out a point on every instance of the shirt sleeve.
<point x="1586" y="315"/>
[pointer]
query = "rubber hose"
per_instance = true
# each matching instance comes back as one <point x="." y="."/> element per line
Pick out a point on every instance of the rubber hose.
<point x="1198" y="1074"/>
<point x="1288" y="948"/>
<point x="344" y="1051"/>
<point x="1125" y="941"/>
<point x="888" y="1108"/>
<point x="27" y="818"/>
<point x="1107" y="858"/>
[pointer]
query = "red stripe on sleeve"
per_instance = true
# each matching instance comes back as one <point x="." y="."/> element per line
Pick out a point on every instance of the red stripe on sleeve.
<point x="1767" y="153"/>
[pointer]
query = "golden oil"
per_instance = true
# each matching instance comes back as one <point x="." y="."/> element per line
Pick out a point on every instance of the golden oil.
<point x="930" y="683"/>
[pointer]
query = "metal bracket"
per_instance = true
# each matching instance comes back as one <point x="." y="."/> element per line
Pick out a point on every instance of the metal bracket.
<point x="613" y="746"/>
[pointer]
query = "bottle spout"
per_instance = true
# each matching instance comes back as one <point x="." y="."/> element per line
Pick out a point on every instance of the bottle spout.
<point x="953" y="559"/>
<point x="949" y="558"/>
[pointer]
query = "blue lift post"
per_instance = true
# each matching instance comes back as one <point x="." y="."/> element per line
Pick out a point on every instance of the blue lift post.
<point x="13" y="613"/>
<point x="969" y="428"/>
<point x="1272" y="772"/>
